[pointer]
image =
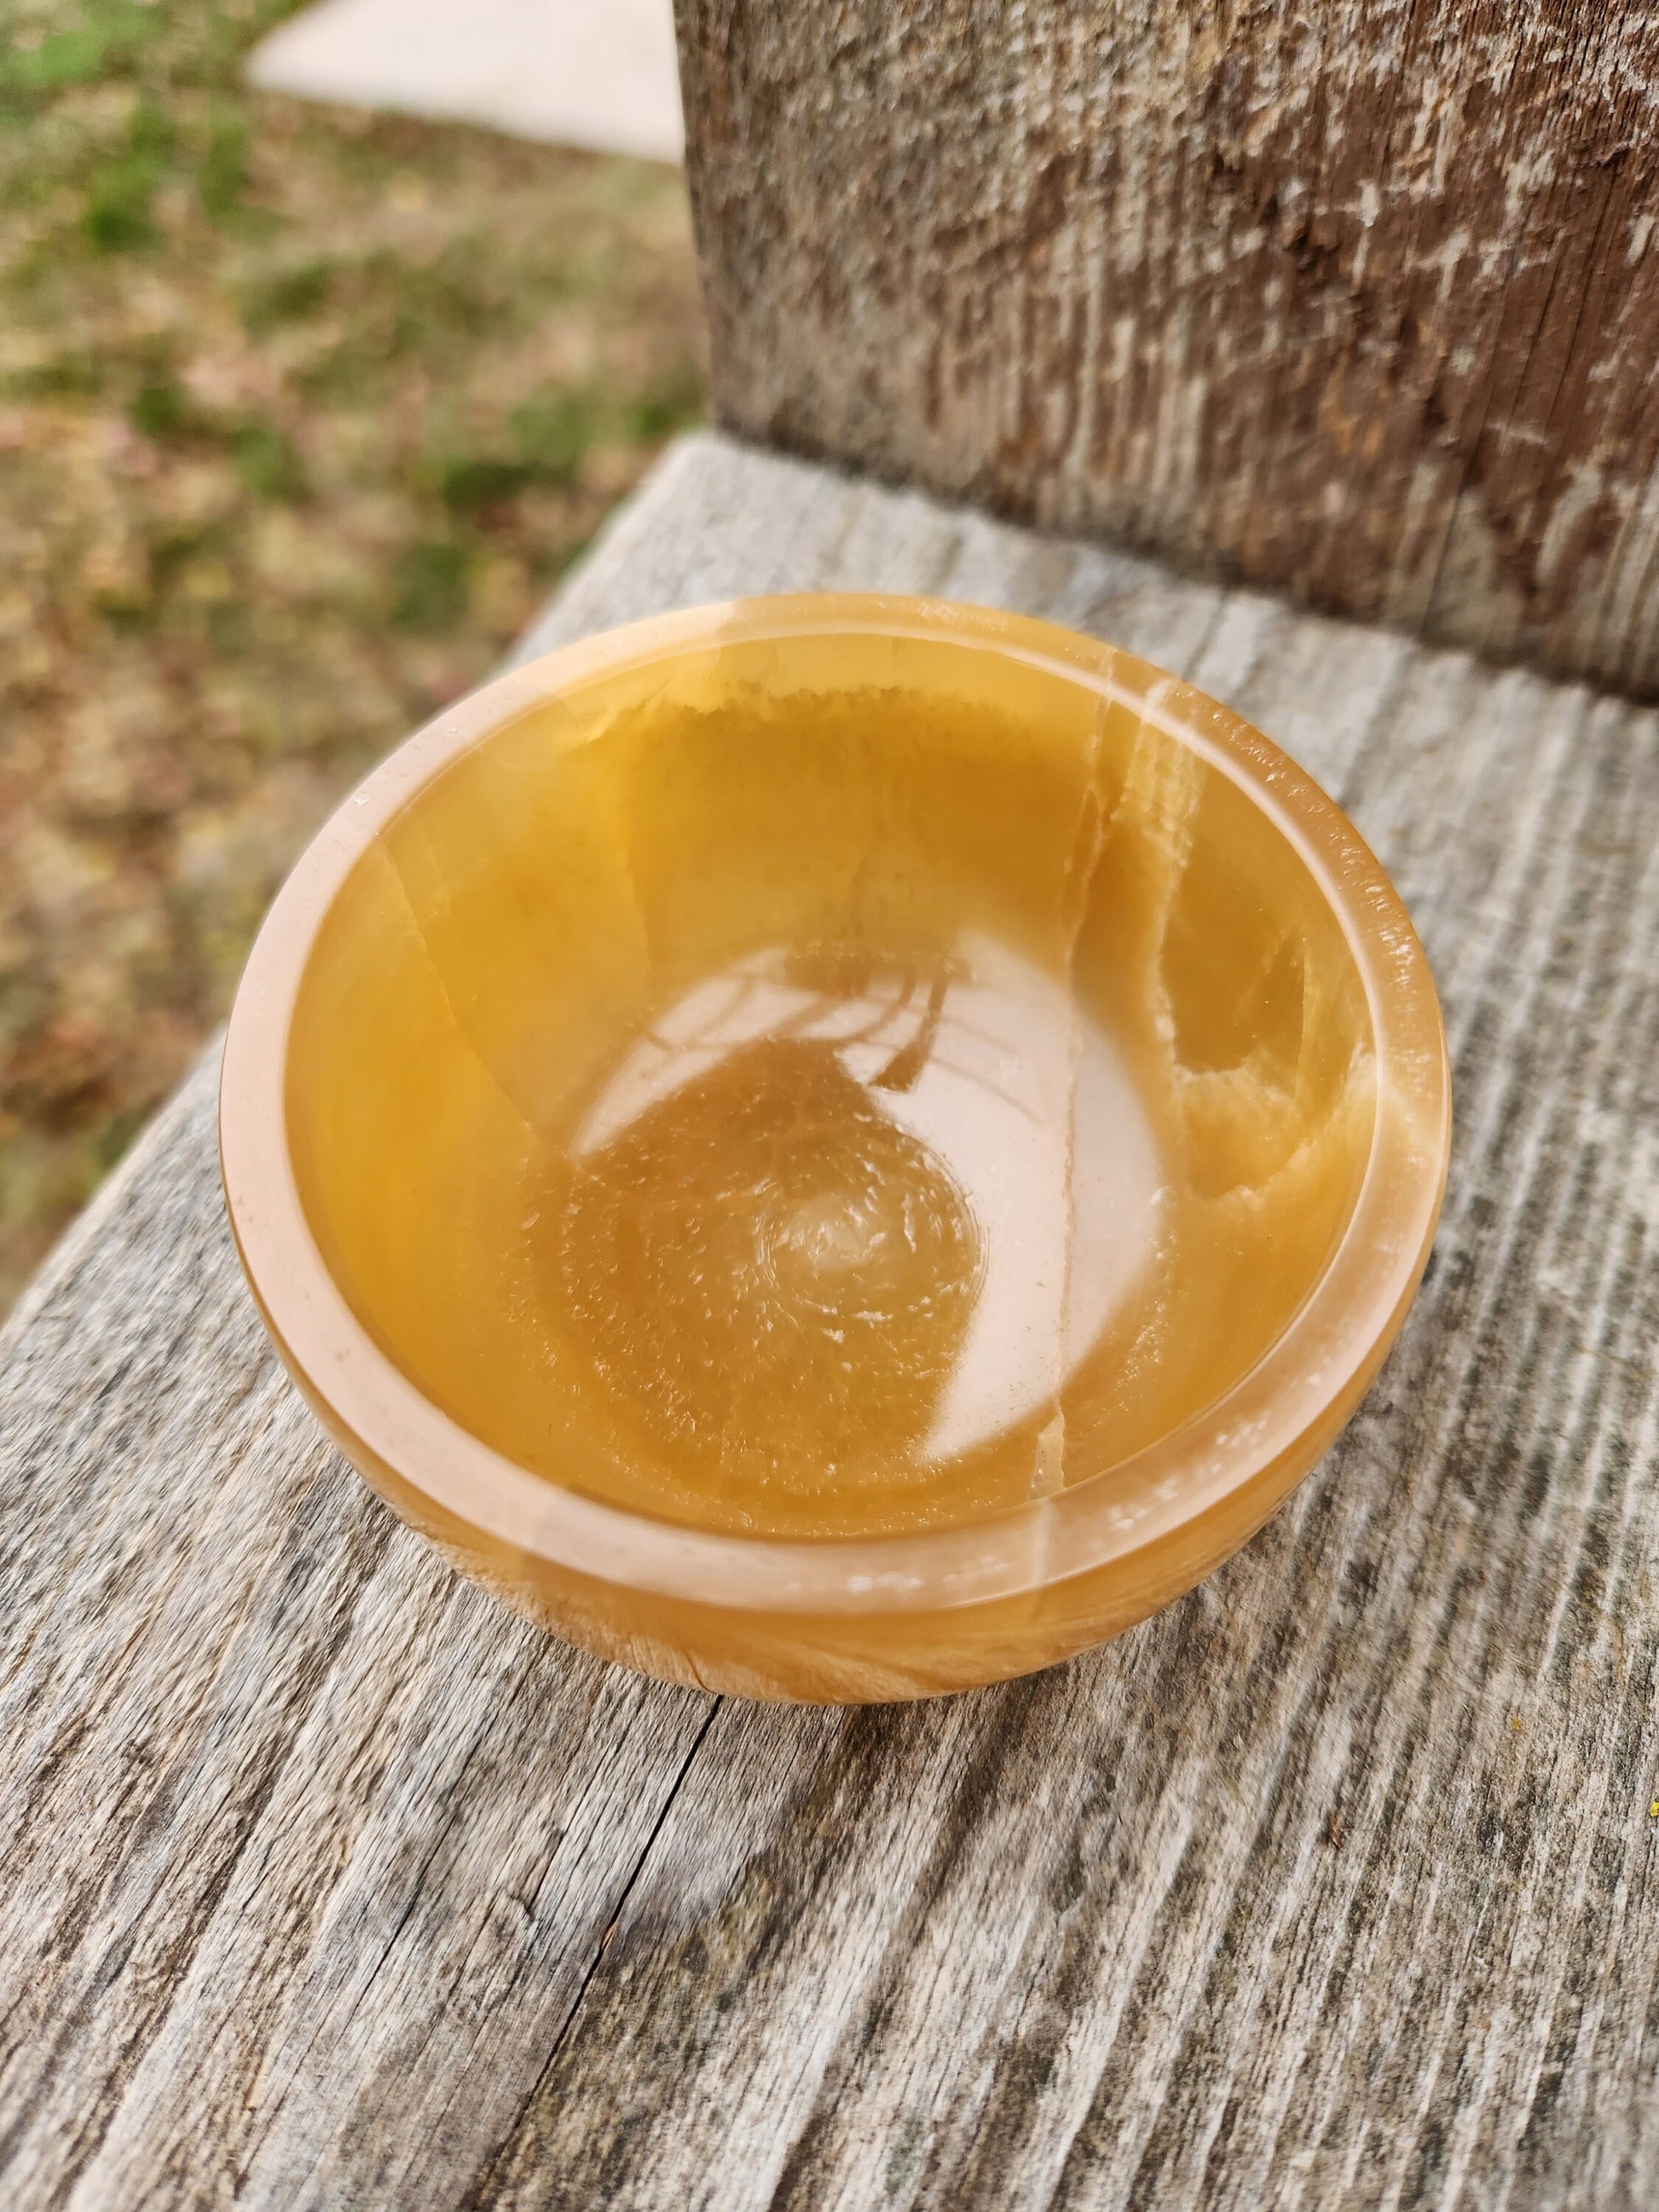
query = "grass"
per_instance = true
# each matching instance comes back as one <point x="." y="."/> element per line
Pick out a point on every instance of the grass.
<point x="302" y="414"/>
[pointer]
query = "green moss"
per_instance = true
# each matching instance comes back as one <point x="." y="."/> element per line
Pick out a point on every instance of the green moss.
<point x="473" y="483"/>
<point x="76" y="373"/>
<point x="222" y="171"/>
<point x="267" y="462"/>
<point x="279" y="295"/>
<point x="669" y="403"/>
<point x="159" y="409"/>
<point x="554" y="432"/>
<point x="431" y="585"/>
<point x="117" y="218"/>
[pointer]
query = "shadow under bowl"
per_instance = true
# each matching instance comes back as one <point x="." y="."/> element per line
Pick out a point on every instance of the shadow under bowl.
<point x="835" y="1148"/>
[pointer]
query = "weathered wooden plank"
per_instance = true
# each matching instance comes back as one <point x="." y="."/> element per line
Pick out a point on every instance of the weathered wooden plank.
<point x="1354" y="301"/>
<point x="325" y="1882"/>
<point x="274" y="1779"/>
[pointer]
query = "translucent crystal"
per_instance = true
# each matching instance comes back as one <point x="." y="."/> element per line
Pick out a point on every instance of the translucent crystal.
<point x="848" y="1090"/>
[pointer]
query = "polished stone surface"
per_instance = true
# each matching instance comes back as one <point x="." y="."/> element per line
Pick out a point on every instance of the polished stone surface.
<point x="830" y="1089"/>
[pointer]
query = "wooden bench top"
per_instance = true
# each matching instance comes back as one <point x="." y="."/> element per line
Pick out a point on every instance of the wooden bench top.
<point x="328" y="1883"/>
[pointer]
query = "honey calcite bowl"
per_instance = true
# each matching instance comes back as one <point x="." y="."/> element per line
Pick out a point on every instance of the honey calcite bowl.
<point x="835" y="1148"/>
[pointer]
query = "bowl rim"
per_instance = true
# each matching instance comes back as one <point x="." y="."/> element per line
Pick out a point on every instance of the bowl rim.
<point x="1312" y="1372"/>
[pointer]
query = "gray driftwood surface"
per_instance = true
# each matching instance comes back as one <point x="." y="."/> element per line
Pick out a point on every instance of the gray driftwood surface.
<point x="325" y="1883"/>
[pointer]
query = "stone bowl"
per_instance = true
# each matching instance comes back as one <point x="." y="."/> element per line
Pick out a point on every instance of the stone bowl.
<point x="833" y="1147"/>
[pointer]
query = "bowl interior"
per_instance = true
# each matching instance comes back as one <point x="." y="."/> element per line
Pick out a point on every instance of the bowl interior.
<point x="829" y="1084"/>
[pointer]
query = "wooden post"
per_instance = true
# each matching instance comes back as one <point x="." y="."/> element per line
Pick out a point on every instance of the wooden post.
<point x="1358" y="300"/>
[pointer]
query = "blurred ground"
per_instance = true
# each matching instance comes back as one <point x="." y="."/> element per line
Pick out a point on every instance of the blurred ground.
<point x="300" y="415"/>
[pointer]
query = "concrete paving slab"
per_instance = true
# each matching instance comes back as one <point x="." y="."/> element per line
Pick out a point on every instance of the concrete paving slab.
<point x="593" y="73"/>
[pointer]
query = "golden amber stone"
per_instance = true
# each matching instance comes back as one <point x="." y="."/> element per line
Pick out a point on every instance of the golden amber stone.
<point x="836" y="1147"/>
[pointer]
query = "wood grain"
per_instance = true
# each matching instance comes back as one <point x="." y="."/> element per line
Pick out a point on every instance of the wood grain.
<point x="1356" y="302"/>
<point x="325" y="1883"/>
